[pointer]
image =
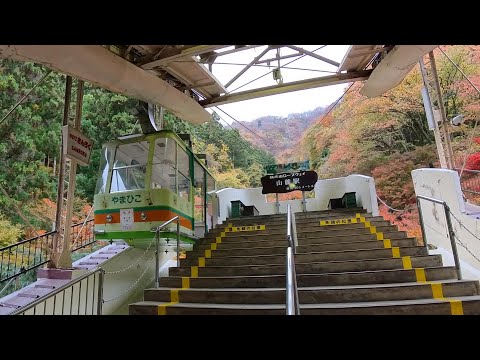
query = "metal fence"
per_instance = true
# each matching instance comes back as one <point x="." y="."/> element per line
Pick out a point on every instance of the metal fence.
<point x="19" y="258"/>
<point x="82" y="296"/>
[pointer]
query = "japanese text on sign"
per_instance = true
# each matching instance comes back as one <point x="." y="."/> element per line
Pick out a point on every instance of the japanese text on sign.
<point x="76" y="145"/>
<point x="286" y="182"/>
<point x="338" y="222"/>
<point x="245" y="228"/>
<point x="127" y="199"/>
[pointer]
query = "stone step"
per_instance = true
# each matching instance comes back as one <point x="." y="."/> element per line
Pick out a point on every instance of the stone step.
<point x="260" y="235"/>
<point x="307" y="232"/>
<point x="243" y="244"/>
<point x="298" y="220"/>
<point x="281" y="249"/>
<point x="305" y="280"/>
<point x="307" y="257"/>
<point x="470" y="305"/>
<point x="317" y="267"/>
<point x="340" y="213"/>
<point x="319" y="294"/>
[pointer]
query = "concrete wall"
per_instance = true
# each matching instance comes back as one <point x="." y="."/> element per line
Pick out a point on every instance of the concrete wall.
<point x="363" y="186"/>
<point x="444" y="185"/>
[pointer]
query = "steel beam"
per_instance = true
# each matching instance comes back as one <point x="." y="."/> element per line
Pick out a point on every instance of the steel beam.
<point x="316" y="56"/>
<point x="193" y="51"/>
<point x="248" y="66"/>
<point x="288" y="87"/>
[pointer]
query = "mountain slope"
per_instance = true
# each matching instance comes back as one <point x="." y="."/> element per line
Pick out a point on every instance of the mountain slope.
<point x="281" y="133"/>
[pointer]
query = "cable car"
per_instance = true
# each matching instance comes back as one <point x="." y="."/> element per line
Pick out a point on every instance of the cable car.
<point x="145" y="180"/>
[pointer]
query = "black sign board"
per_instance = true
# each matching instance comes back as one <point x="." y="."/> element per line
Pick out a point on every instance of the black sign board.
<point x="286" y="182"/>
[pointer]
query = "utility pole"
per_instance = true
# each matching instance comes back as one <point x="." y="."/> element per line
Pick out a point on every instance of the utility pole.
<point x="61" y="257"/>
<point x="436" y="115"/>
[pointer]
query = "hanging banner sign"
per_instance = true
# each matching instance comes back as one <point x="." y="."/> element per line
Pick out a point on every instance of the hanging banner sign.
<point x="76" y="146"/>
<point x="287" y="182"/>
<point x="294" y="166"/>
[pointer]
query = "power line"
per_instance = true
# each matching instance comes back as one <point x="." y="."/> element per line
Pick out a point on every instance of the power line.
<point x="328" y="112"/>
<point x="254" y="133"/>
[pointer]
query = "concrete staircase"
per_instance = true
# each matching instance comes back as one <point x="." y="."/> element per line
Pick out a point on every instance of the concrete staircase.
<point x="364" y="267"/>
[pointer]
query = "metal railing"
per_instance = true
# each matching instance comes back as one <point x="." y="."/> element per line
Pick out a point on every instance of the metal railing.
<point x="82" y="296"/>
<point x="157" y="252"/>
<point x="292" y="303"/>
<point x="451" y="233"/>
<point x="19" y="258"/>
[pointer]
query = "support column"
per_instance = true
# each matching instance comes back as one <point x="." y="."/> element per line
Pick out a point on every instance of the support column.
<point x="432" y="120"/>
<point x="58" y="238"/>
<point x="444" y="125"/>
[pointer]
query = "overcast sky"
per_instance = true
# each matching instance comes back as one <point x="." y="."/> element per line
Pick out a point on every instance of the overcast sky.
<point x="283" y="104"/>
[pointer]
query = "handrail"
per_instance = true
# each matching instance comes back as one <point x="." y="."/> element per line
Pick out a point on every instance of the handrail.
<point x="292" y="303"/>
<point x="157" y="252"/>
<point x="18" y="258"/>
<point x="69" y="285"/>
<point x="451" y="233"/>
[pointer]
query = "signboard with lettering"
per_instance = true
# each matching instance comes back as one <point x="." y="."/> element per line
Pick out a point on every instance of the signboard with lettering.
<point x="287" y="182"/>
<point x="245" y="228"/>
<point x="76" y="146"/>
<point x="126" y="219"/>
<point x="294" y="166"/>
<point x="338" y="222"/>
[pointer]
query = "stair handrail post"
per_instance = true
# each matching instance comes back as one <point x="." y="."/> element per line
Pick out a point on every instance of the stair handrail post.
<point x="157" y="245"/>
<point x="292" y="302"/>
<point x="178" y="241"/>
<point x="157" y="257"/>
<point x="422" y="225"/>
<point x="451" y="233"/>
<point x="452" y="240"/>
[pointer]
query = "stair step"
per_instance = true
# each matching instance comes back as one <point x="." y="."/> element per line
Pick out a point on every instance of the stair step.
<point x="306" y="257"/>
<point x="470" y="306"/>
<point x="317" y="267"/>
<point x="304" y="280"/>
<point x="317" y="295"/>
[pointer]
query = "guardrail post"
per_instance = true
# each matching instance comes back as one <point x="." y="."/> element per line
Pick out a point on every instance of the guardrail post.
<point x="422" y="225"/>
<point x="157" y="259"/>
<point x="178" y="242"/>
<point x="101" y="276"/>
<point x="451" y="234"/>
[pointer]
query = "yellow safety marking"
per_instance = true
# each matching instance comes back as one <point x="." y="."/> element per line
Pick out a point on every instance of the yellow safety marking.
<point x="213" y="246"/>
<point x="222" y="234"/>
<point x="373" y="230"/>
<point x="368" y="224"/>
<point x="248" y="228"/>
<point x="379" y="236"/>
<point x="185" y="282"/>
<point x="201" y="262"/>
<point x="194" y="271"/>
<point x="218" y="239"/>
<point x="228" y="229"/>
<point x="407" y="263"/>
<point x="230" y="225"/>
<point x="358" y="216"/>
<point x="362" y="219"/>
<point x="174" y="295"/>
<point x="338" y="222"/>
<point x="456" y="307"/>
<point x="395" y="252"/>
<point x="420" y="274"/>
<point x="208" y="254"/>
<point x="437" y="291"/>
<point x="162" y="309"/>
<point x="387" y="244"/>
